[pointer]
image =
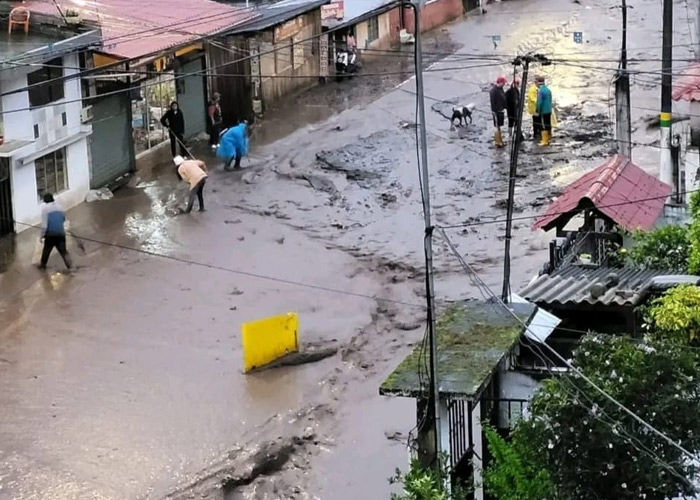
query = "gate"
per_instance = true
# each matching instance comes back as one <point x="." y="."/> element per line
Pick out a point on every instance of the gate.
<point x="111" y="142"/>
<point x="7" y="222"/>
<point x="191" y="96"/>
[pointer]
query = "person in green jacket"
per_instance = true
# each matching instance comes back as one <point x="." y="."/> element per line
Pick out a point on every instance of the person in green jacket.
<point x="544" y="109"/>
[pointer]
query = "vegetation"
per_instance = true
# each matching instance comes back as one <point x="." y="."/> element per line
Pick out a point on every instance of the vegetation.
<point x="513" y="475"/>
<point x="666" y="248"/>
<point x="587" y="446"/>
<point x="676" y="315"/>
<point x="427" y="483"/>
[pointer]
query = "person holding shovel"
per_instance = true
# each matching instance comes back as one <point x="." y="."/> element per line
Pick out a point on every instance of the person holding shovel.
<point x="194" y="172"/>
<point x="174" y="121"/>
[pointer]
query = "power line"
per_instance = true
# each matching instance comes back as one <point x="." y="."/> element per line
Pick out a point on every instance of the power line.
<point x="573" y="211"/>
<point x="230" y="270"/>
<point x="202" y="73"/>
<point x="572" y="368"/>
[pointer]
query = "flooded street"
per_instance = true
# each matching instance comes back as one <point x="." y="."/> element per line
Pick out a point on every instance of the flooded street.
<point x="124" y="380"/>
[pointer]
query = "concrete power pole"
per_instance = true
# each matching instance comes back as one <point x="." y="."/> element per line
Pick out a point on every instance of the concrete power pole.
<point x="666" y="167"/>
<point x="434" y="392"/>
<point x="525" y="61"/>
<point x="623" y="121"/>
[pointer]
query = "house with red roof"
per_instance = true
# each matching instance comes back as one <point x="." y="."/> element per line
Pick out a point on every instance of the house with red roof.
<point x="617" y="194"/>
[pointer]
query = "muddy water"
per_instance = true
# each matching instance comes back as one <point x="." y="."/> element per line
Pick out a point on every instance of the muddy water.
<point x="123" y="380"/>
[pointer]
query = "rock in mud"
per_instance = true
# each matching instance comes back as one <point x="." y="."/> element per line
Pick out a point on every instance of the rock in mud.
<point x="310" y="355"/>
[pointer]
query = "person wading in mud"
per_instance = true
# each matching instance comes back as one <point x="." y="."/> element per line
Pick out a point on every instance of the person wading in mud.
<point x="214" y="119"/>
<point x="512" y="106"/>
<point x="544" y="109"/>
<point x="53" y="220"/>
<point x="194" y="172"/>
<point x="174" y="121"/>
<point x="532" y="109"/>
<point x="498" y="106"/>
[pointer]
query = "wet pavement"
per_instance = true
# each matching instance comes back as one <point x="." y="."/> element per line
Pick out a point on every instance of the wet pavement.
<point x="124" y="380"/>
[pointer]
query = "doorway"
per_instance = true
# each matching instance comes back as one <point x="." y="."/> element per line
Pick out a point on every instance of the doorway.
<point x="7" y="222"/>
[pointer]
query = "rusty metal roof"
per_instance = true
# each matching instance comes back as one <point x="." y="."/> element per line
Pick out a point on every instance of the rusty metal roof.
<point x="572" y="286"/>
<point x="136" y="28"/>
<point x="619" y="189"/>
<point x="687" y="87"/>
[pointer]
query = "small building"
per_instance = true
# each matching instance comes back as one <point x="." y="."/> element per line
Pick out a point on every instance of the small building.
<point x="478" y="344"/>
<point x="288" y="54"/>
<point x="598" y="298"/>
<point x="149" y="59"/>
<point x="618" y="193"/>
<point x="376" y="26"/>
<point x="43" y="140"/>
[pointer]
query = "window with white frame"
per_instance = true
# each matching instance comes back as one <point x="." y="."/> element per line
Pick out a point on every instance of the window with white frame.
<point x="373" y="29"/>
<point x="43" y="89"/>
<point x="51" y="173"/>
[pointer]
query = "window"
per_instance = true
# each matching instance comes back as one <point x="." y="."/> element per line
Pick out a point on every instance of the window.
<point x="64" y="119"/>
<point x="373" y="29"/>
<point x="44" y="93"/>
<point x="51" y="175"/>
<point x="36" y="131"/>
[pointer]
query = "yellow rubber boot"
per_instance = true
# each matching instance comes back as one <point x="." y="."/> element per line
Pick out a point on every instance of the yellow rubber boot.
<point x="545" y="138"/>
<point x="498" y="139"/>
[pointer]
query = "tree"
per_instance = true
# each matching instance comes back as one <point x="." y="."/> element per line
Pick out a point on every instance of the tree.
<point x="665" y="248"/>
<point x="427" y="483"/>
<point x="676" y="315"/>
<point x="590" y="448"/>
<point x="512" y="475"/>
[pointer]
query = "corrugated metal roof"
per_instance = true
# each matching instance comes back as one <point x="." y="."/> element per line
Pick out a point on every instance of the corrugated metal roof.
<point x="687" y="87"/>
<point x="136" y="28"/>
<point x="571" y="285"/>
<point x="619" y="189"/>
<point x="277" y="13"/>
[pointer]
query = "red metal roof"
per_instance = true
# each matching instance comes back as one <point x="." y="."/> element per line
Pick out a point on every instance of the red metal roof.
<point x="619" y="189"/>
<point x="137" y="28"/>
<point x="687" y="88"/>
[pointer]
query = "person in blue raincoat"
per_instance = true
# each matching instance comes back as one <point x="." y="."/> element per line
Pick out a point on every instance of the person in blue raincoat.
<point x="233" y="145"/>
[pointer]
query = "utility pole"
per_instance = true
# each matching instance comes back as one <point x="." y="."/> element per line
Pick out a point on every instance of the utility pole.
<point x="434" y="393"/>
<point x="666" y="167"/>
<point x="514" y="149"/>
<point x="623" y="121"/>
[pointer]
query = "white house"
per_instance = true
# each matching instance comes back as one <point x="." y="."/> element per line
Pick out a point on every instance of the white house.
<point x="43" y="142"/>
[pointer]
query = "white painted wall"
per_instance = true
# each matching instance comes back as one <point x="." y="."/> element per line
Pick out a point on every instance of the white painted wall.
<point x="53" y="134"/>
<point x="515" y="385"/>
<point x="478" y="435"/>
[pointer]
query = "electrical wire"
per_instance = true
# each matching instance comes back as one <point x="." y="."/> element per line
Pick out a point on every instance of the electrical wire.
<point x="581" y="375"/>
<point x="239" y="272"/>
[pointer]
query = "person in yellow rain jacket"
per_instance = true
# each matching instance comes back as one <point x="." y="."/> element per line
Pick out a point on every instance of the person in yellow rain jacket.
<point x="532" y="110"/>
<point x="531" y="101"/>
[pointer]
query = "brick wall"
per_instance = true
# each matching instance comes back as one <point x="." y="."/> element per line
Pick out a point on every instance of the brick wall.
<point x="435" y="14"/>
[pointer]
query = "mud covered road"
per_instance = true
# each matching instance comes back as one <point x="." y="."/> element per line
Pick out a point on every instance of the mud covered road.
<point x="124" y="379"/>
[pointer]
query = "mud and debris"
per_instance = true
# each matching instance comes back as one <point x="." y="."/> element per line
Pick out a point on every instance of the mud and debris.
<point x="124" y="380"/>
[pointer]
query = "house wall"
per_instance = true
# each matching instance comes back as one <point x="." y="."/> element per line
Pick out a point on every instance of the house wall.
<point x="295" y="64"/>
<point x="388" y="24"/>
<point x="236" y="91"/>
<point x="478" y="436"/>
<point x="53" y="135"/>
<point x="435" y="13"/>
